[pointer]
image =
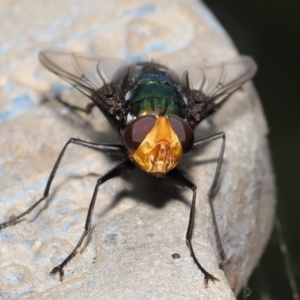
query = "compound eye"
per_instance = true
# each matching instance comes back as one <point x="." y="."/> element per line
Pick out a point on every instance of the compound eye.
<point x="135" y="133"/>
<point x="184" y="133"/>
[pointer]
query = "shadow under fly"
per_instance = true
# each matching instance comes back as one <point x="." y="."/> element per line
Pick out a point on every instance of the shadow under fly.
<point x="155" y="110"/>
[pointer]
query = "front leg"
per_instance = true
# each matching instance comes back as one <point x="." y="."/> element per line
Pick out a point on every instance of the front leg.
<point x="119" y="170"/>
<point x="175" y="174"/>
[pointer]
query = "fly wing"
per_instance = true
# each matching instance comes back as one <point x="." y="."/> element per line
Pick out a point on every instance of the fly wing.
<point x="99" y="79"/>
<point x="84" y="73"/>
<point x="208" y="87"/>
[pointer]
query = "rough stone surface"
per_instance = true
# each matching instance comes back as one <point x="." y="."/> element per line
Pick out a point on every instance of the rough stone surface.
<point x="139" y="221"/>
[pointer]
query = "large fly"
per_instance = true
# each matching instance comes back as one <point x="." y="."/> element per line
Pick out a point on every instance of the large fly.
<point x="155" y="110"/>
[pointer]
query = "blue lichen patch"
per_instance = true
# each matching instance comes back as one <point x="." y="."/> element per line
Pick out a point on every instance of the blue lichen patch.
<point x="18" y="105"/>
<point x="15" y="279"/>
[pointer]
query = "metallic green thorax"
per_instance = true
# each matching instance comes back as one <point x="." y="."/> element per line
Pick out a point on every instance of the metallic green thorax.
<point x="154" y="94"/>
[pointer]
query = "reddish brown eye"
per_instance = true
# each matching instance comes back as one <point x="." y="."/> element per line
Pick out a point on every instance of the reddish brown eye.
<point x="184" y="133"/>
<point x="137" y="130"/>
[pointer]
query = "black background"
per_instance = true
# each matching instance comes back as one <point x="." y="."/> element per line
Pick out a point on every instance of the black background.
<point x="269" y="31"/>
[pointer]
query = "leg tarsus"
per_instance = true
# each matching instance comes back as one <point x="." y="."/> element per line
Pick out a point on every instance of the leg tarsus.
<point x="208" y="277"/>
<point x="18" y="219"/>
<point x="60" y="270"/>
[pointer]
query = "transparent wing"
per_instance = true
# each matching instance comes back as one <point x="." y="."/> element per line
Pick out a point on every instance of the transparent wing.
<point x="207" y="87"/>
<point x="84" y="73"/>
<point x="216" y="83"/>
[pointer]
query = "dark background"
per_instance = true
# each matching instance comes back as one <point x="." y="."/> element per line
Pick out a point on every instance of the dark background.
<point x="269" y="31"/>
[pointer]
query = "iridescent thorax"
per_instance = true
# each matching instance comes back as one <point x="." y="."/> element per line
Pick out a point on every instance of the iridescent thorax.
<point x="154" y="94"/>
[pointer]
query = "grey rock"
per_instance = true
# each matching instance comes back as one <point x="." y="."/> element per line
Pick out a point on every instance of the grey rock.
<point x="139" y="222"/>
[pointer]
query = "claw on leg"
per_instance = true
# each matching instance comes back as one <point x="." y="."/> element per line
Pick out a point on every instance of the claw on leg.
<point x="208" y="277"/>
<point x="60" y="270"/>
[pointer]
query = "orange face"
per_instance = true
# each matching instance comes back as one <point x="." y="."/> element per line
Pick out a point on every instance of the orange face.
<point x="157" y="143"/>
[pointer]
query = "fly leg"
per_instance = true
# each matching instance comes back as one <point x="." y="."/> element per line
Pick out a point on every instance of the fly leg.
<point x="106" y="148"/>
<point x="184" y="182"/>
<point x="115" y="172"/>
<point x="220" y="135"/>
<point x="88" y="109"/>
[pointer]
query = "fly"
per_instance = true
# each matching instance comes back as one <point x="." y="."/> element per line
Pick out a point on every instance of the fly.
<point x="155" y="110"/>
